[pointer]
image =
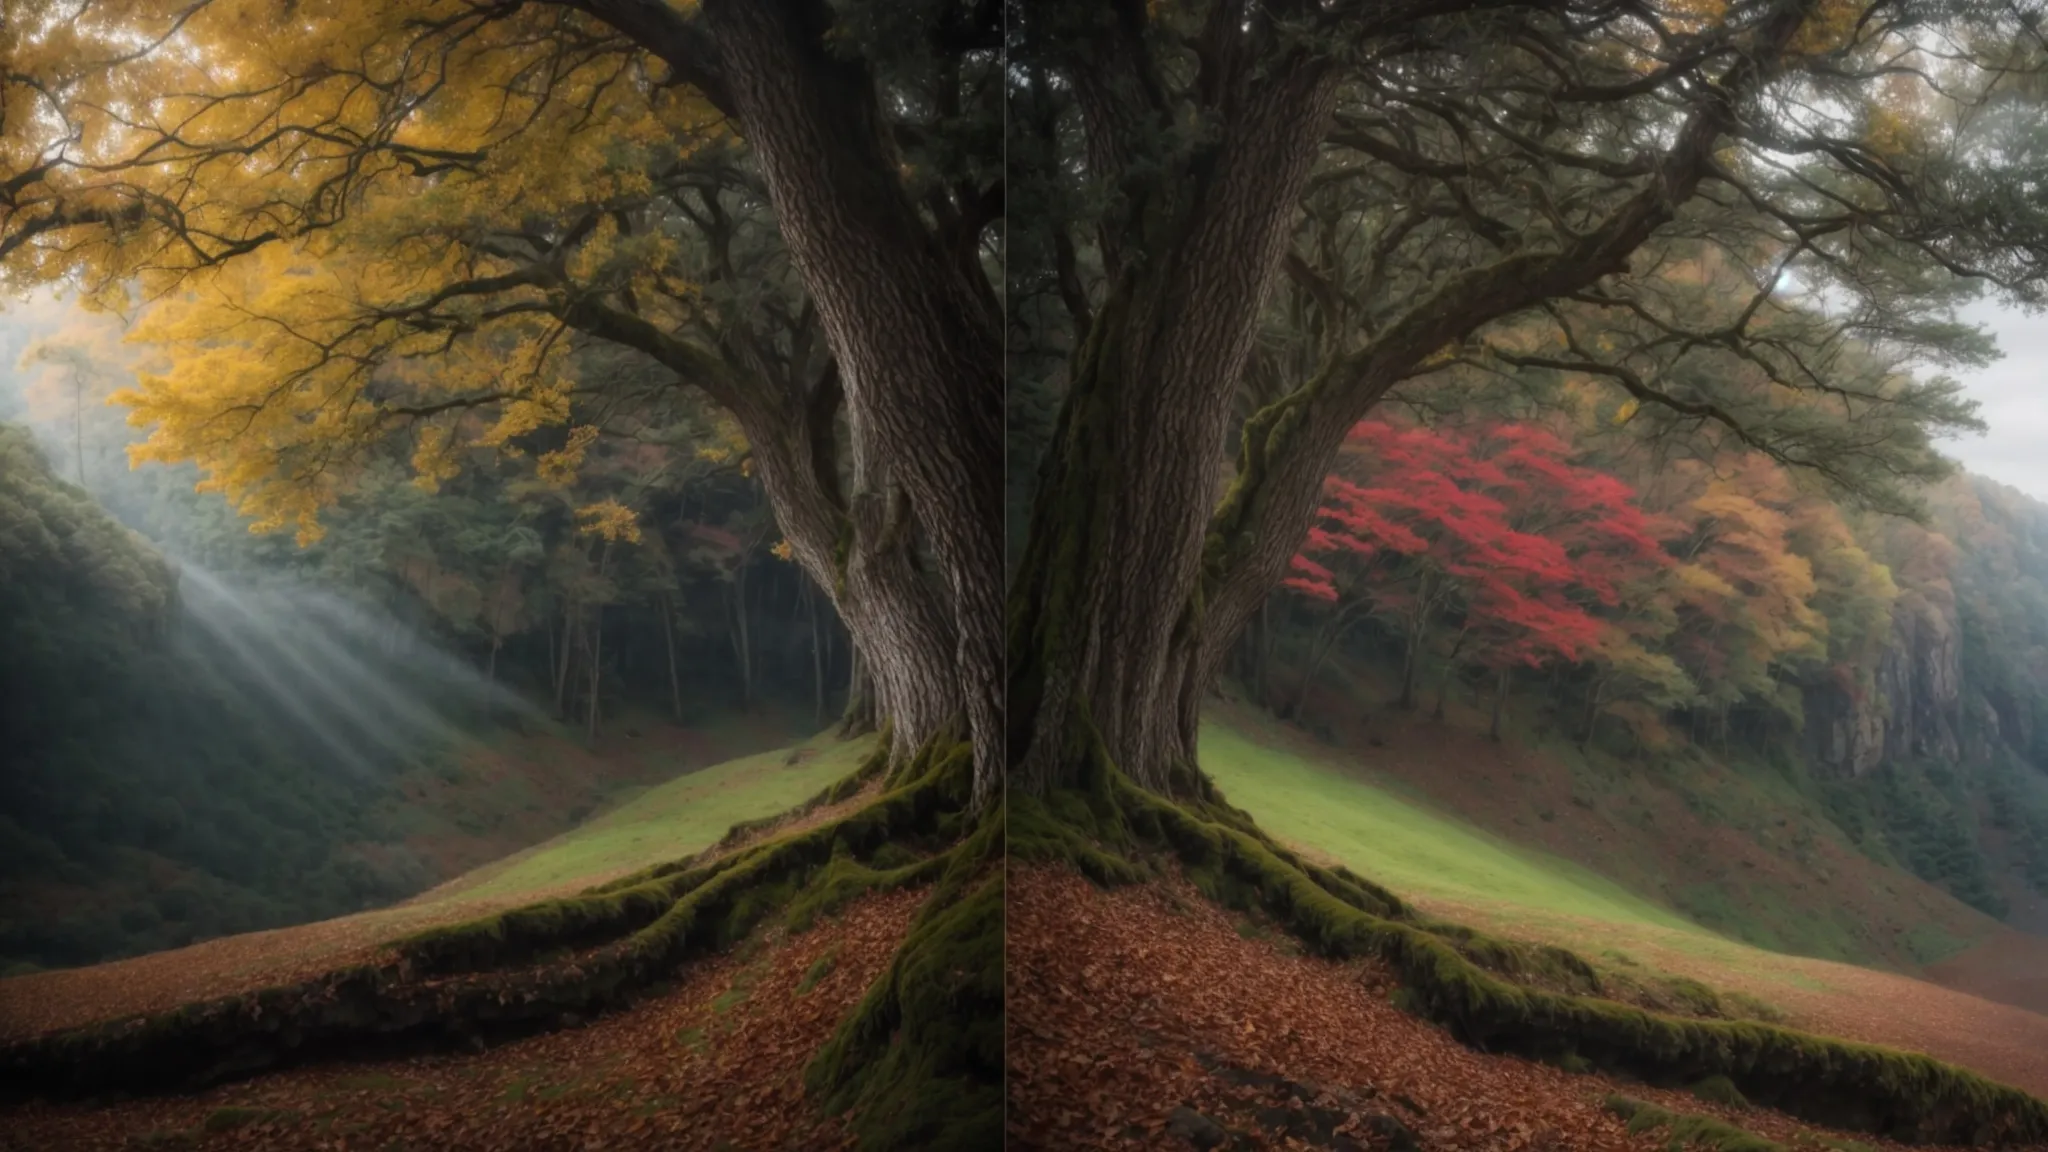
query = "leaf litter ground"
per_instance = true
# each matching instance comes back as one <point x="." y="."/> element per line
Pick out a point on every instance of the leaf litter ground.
<point x="1126" y="1005"/>
<point x="715" y="1062"/>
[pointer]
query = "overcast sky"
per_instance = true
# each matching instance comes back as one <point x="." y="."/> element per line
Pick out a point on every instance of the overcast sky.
<point x="2013" y="393"/>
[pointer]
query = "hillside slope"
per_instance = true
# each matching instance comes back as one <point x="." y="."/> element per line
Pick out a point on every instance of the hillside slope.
<point x="1369" y="813"/>
<point x="715" y="1062"/>
<point x="1739" y="849"/>
<point x="663" y="823"/>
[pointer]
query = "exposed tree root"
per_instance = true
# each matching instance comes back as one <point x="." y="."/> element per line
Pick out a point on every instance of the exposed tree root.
<point x="553" y="963"/>
<point x="920" y="1061"/>
<point x="1495" y="995"/>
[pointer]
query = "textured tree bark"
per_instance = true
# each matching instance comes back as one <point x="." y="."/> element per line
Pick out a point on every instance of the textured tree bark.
<point x="1108" y="639"/>
<point x="914" y="329"/>
<point x="916" y="333"/>
<point x="859" y="717"/>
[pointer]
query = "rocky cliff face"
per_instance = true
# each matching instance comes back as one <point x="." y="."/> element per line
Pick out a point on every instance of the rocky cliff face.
<point x="1914" y="707"/>
<point x="1933" y="747"/>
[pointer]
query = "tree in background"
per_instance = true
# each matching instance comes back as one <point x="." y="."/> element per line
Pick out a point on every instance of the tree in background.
<point x="1493" y="537"/>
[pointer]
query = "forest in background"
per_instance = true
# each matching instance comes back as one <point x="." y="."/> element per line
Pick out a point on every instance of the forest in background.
<point x="215" y="731"/>
<point x="1641" y="604"/>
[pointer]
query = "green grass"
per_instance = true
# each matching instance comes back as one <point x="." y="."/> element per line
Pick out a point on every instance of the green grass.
<point x="669" y="820"/>
<point x="1338" y="812"/>
<point x="1405" y="844"/>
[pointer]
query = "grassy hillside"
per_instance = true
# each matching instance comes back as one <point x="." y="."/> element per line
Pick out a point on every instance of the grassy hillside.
<point x="1750" y="847"/>
<point x="1403" y="842"/>
<point x="1528" y="863"/>
<point x="663" y="822"/>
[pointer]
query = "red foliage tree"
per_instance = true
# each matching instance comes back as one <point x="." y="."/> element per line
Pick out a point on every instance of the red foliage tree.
<point x="1493" y="535"/>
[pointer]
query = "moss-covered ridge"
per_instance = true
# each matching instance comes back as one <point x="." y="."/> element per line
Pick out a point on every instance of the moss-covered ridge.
<point x="1685" y="1130"/>
<point x="1481" y="990"/>
<point x="552" y="963"/>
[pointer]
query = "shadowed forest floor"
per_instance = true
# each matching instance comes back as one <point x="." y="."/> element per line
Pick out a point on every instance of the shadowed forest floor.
<point x="1147" y="1017"/>
<point x="714" y="1062"/>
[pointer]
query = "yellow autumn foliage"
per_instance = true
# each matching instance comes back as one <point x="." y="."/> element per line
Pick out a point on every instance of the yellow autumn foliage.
<point x="609" y="520"/>
<point x="356" y="184"/>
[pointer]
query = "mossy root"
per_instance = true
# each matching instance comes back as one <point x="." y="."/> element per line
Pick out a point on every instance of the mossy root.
<point x="1501" y="996"/>
<point x="1686" y="1131"/>
<point x="920" y="1061"/>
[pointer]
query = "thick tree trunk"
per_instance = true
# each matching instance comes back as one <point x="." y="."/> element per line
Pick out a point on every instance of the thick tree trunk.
<point x="916" y="333"/>
<point x="1136" y="580"/>
<point x="1109" y="639"/>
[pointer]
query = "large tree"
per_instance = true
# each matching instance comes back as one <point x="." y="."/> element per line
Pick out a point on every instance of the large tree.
<point x="1273" y="215"/>
<point x="348" y="220"/>
<point x="786" y="205"/>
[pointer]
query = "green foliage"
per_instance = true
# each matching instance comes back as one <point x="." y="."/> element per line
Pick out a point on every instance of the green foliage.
<point x="1930" y="828"/>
